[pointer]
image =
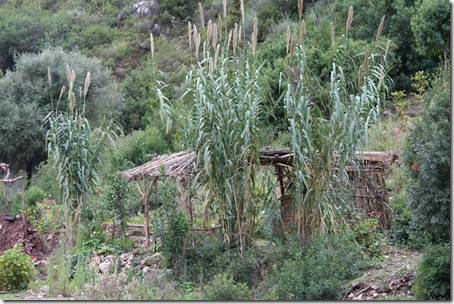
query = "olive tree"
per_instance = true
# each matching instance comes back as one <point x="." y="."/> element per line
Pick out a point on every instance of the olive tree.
<point x="27" y="92"/>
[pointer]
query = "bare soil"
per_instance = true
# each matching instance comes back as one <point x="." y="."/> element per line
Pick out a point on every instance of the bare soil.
<point x="391" y="279"/>
<point x="14" y="231"/>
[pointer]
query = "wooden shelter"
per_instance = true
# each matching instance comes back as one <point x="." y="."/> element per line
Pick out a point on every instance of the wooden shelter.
<point x="367" y="183"/>
<point x="178" y="166"/>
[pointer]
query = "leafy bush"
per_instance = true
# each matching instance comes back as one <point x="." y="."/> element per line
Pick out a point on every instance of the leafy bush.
<point x="170" y="225"/>
<point x="16" y="269"/>
<point x="427" y="159"/>
<point x="432" y="281"/>
<point x="366" y="233"/>
<point x="47" y="216"/>
<point x="224" y="288"/>
<point x="318" y="271"/>
<point x="405" y="231"/>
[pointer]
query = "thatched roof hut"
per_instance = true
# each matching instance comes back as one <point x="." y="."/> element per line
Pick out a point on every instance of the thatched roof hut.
<point x="178" y="166"/>
<point x="367" y="183"/>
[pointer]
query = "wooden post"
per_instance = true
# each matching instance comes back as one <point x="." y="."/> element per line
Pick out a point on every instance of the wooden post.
<point x="24" y="220"/>
<point x="5" y="196"/>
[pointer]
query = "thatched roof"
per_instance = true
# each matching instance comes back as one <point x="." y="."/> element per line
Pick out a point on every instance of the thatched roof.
<point x="181" y="164"/>
<point x="176" y="165"/>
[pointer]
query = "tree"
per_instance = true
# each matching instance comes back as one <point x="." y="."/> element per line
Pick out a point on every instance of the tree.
<point x="432" y="30"/>
<point x="27" y="94"/>
<point x="427" y="160"/>
<point x="21" y="30"/>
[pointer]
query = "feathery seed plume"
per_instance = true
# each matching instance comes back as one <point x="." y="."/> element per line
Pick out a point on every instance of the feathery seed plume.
<point x="380" y="28"/>
<point x="189" y="34"/>
<point x="349" y="20"/>
<point x="242" y="9"/>
<point x="62" y="91"/>
<point x="202" y="18"/>
<point x="86" y="84"/>
<point x="300" y="8"/>
<point x="288" y="39"/>
<point x="49" y="79"/>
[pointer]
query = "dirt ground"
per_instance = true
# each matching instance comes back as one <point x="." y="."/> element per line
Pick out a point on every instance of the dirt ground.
<point x="392" y="279"/>
<point x="13" y="231"/>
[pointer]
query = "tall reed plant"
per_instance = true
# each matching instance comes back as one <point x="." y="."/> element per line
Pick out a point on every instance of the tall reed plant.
<point x="326" y="132"/>
<point x="76" y="151"/>
<point x="225" y="88"/>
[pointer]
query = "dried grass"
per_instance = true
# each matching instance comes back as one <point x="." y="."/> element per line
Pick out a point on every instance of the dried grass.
<point x="380" y="28"/>
<point x="349" y="20"/>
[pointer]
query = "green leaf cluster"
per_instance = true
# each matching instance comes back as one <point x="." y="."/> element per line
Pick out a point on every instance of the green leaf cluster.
<point x="427" y="160"/>
<point x="16" y="269"/>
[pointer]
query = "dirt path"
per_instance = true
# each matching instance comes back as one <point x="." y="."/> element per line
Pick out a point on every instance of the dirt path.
<point x="391" y="279"/>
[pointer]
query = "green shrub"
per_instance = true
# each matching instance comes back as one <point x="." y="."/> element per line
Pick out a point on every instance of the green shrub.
<point x="405" y="231"/>
<point x="366" y="233"/>
<point x="432" y="281"/>
<point x="224" y="288"/>
<point x="16" y="269"/>
<point x="427" y="160"/>
<point x="319" y="270"/>
<point x="170" y="225"/>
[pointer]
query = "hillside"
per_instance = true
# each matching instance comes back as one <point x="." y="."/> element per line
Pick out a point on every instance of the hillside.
<point x="225" y="150"/>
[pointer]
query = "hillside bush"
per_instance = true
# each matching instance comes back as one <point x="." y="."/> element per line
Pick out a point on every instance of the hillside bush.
<point x="319" y="270"/>
<point x="427" y="160"/>
<point x="16" y="269"/>
<point x="224" y="288"/>
<point x="433" y="277"/>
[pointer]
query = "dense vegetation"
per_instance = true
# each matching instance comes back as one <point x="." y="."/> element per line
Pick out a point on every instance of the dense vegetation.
<point x="91" y="88"/>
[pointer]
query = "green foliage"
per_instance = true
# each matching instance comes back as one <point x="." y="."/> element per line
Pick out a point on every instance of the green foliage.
<point x="26" y="98"/>
<point x="224" y="288"/>
<point x="181" y="9"/>
<point x="16" y="269"/>
<point x="223" y="130"/>
<point x="431" y="26"/>
<point x="326" y="133"/>
<point x="46" y="179"/>
<point x="137" y="148"/>
<point x="170" y="225"/>
<point x="427" y="160"/>
<point x="401" y="101"/>
<point x="47" y="216"/>
<point x="319" y="270"/>
<point x="420" y="84"/>
<point x="21" y="30"/>
<point x="58" y="272"/>
<point x="76" y="151"/>
<point x="366" y="233"/>
<point x="433" y="277"/>
<point x="117" y="193"/>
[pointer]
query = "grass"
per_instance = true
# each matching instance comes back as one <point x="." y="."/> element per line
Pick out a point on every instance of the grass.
<point x="10" y="296"/>
<point x="389" y="133"/>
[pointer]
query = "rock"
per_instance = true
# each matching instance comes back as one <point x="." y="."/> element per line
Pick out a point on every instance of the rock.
<point x="44" y="288"/>
<point x="104" y="266"/>
<point x="374" y="287"/>
<point x="146" y="269"/>
<point x="96" y="259"/>
<point x="151" y="260"/>
<point x="41" y="295"/>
